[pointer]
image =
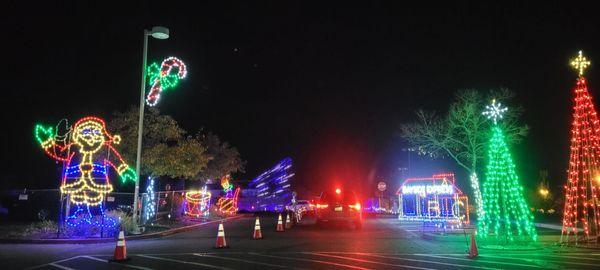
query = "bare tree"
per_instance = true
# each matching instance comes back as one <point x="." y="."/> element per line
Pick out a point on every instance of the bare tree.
<point x="464" y="132"/>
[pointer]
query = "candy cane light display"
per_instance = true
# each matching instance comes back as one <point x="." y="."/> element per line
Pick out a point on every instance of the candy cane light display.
<point x="163" y="77"/>
<point x="87" y="155"/>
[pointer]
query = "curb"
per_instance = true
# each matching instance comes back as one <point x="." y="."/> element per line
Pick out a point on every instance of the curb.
<point x="108" y="240"/>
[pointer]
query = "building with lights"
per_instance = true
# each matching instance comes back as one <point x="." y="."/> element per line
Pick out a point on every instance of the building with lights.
<point x="435" y="198"/>
<point x="273" y="187"/>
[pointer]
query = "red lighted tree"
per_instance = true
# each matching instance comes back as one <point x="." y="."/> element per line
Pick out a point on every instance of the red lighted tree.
<point x="581" y="215"/>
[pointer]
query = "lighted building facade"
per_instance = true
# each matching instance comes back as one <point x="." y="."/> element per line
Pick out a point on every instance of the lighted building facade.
<point x="435" y="198"/>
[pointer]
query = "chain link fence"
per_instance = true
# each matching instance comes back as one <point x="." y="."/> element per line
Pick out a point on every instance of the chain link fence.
<point x="49" y="205"/>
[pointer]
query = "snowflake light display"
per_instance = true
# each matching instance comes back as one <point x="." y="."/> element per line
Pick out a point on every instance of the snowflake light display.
<point x="87" y="156"/>
<point x="164" y="77"/>
<point x="494" y="111"/>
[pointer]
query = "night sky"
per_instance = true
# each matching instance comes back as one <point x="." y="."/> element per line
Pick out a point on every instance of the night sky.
<point x="326" y="84"/>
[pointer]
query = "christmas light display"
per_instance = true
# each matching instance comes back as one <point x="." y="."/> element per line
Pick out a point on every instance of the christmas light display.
<point x="87" y="155"/>
<point x="477" y="194"/>
<point x="433" y="199"/>
<point x="273" y="186"/>
<point x="505" y="212"/>
<point x="150" y="202"/>
<point x="163" y="77"/>
<point x="494" y="111"/>
<point x="197" y="202"/>
<point x="581" y="214"/>
<point x="228" y="205"/>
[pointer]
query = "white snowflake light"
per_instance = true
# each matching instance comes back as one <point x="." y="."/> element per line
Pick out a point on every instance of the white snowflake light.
<point x="494" y="111"/>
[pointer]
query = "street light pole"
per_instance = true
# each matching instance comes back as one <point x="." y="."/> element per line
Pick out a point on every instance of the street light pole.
<point x="158" y="33"/>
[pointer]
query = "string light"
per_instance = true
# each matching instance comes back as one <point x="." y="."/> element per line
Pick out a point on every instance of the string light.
<point x="580" y="63"/>
<point x="273" y="186"/>
<point x="85" y="178"/>
<point x="197" y="202"/>
<point x="477" y="193"/>
<point x="504" y="208"/>
<point x="150" y="208"/>
<point x="581" y="212"/>
<point x="164" y="77"/>
<point x="229" y="204"/>
<point x="494" y="111"/>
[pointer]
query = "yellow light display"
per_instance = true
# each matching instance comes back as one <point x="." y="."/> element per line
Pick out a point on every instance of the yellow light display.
<point x="85" y="177"/>
<point x="580" y="63"/>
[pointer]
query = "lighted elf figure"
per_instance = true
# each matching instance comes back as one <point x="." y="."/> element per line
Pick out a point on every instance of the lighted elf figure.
<point x="505" y="212"/>
<point x="581" y="216"/>
<point x="87" y="157"/>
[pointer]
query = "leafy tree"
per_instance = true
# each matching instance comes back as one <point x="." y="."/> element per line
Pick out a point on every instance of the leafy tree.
<point x="225" y="159"/>
<point x="166" y="150"/>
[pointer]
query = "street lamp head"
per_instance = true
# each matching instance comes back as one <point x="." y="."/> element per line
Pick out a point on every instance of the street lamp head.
<point x="159" y="32"/>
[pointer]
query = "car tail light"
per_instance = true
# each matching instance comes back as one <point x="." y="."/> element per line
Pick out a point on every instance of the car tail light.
<point x="322" y="206"/>
<point x="355" y="206"/>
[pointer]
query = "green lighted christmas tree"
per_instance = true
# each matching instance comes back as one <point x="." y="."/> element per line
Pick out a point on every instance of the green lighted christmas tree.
<point x="506" y="214"/>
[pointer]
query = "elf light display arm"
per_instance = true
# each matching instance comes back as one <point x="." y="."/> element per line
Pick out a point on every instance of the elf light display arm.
<point x="46" y="137"/>
<point x="116" y="161"/>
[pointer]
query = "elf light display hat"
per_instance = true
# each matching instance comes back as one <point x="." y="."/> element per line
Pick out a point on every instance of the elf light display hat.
<point x="95" y="125"/>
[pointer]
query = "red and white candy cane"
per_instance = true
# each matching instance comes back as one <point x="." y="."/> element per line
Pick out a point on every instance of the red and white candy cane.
<point x="159" y="84"/>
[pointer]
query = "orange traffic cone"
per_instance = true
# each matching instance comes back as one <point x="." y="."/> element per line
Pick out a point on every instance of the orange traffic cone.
<point x="120" y="250"/>
<point x="221" y="243"/>
<point x="288" y="222"/>
<point x="473" y="252"/>
<point x="279" y="224"/>
<point x="257" y="233"/>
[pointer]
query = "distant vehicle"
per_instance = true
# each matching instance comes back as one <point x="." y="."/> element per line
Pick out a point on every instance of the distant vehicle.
<point x="339" y="206"/>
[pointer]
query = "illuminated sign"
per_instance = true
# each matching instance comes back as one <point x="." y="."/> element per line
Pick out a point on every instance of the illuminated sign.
<point x="428" y="189"/>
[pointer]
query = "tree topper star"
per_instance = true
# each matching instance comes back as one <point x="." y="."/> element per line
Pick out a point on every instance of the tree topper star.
<point x="494" y="111"/>
<point x="580" y="63"/>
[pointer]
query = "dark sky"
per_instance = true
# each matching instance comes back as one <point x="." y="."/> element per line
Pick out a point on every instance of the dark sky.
<point x="327" y="84"/>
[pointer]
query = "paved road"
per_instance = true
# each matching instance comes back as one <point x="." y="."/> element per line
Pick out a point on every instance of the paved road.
<point x="381" y="244"/>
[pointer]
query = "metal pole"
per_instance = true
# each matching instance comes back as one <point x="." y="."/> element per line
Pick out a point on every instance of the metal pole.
<point x="136" y="229"/>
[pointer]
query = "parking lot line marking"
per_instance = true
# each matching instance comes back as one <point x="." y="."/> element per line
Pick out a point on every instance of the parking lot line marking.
<point x="311" y="260"/>
<point x="240" y="260"/>
<point x="51" y="263"/>
<point x="185" y="262"/>
<point x="544" y="260"/>
<point x="121" y="264"/>
<point x="570" y="257"/>
<point x="367" y="261"/>
<point x="487" y="261"/>
<point x="60" y="266"/>
<point x="416" y="260"/>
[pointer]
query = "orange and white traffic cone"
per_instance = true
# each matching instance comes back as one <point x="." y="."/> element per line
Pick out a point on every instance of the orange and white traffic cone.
<point x="120" y="250"/>
<point x="288" y="222"/>
<point x="473" y="252"/>
<point x="221" y="243"/>
<point x="257" y="233"/>
<point x="279" y="224"/>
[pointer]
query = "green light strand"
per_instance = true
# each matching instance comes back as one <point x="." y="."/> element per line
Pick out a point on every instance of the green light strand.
<point x="506" y="211"/>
